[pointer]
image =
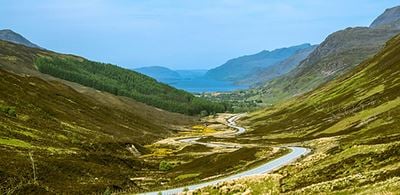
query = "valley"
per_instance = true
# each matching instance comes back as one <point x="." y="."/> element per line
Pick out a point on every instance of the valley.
<point x="273" y="164"/>
<point x="304" y="119"/>
<point x="188" y="149"/>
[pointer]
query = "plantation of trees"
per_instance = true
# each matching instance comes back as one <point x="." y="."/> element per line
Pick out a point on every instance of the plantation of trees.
<point x="123" y="82"/>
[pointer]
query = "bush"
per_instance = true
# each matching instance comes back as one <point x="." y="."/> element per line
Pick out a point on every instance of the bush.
<point x="165" y="166"/>
<point x="107" y="191"/>
<point x="12" y="112"/>
<point x="8" y="110"/>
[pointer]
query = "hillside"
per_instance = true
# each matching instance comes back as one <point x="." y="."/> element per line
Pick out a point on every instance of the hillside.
<point x="104" y="77"/>
<point x="352" y="125"/>
<point x="236" y="69"/>
<point x="191" y="74"/>
<point x="390" y="17"/>
<point x="80" y="143"/>
<point x="336" y="55"/>
<point x="11" y="36"/>
<point x="169" y="76"/>
<point x="263" y="75"/>
<point x="160" y="73"/>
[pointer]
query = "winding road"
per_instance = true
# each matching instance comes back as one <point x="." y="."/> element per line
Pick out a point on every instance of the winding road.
<point x="296" y="152"/>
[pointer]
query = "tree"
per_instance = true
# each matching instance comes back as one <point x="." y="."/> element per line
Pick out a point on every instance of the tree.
<point x="119" y="81"/>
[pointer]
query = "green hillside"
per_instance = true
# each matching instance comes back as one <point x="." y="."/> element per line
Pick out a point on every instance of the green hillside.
<point x="104" y="77"/>
<point x="73" y="138"/>
<point x="123" y="82"/>
<point x="352" y="125"/>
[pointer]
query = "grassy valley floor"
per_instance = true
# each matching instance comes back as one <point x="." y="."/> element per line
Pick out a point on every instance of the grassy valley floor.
<point x="191" y="163"/>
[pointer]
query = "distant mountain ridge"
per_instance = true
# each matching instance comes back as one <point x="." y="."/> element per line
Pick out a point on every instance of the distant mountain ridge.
<point x="391" y="17"/>
<point x="236" y="69"/>
<point x="169" y="76"/>
<point x="11" y="36"/>
<point x="191" y="74"/>
<point x="337" y="54"/>
<point x="160" y="73"/>
<point x="241" y="72"/>
<point x="263" y="75"/>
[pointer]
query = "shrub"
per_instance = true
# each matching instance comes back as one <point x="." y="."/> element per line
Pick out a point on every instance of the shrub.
<point x="8" y="110"/>
<point x="12" y="112"/>
<point x="165" y="166"/>
<point x="107" y="191"/>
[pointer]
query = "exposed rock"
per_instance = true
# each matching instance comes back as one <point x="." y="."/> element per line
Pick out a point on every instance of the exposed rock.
<point x="11" y="36"/>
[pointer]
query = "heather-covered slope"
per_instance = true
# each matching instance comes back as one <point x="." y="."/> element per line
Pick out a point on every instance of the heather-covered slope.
<point x="104" y="77"/>
<point x="81" y="140"/>
<point x="343" y="106"/>
<point x="78" y="144"/>
<point x="352" y="125"/>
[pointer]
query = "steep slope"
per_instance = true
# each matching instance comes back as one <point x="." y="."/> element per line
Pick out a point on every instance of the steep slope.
<point x="390" y="17"/>
<point x="234" y="70"/>
<point x="104" y="77"/>
<point x="339" y="53"/>
<point x="11" y="36"/>
<point x="79" y="143"/>
<point x="263" y="75"/>
<point x="352" y="125"/>
<point x="160" y="73"/>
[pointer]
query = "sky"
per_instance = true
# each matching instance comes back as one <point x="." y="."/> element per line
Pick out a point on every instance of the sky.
<point x="181" y="34"/>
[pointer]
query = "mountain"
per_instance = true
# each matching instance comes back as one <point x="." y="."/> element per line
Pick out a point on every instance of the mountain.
<point x="80" y="140"/>
<point x="11" y="36"/>
<point x="336" y="55"/>
<point x="390" y="17"/>
<point x="188" y="80"/>
<point x="236" y="69"/>
<point x="191" y="74"/>
<point x="169" y="76"/>
<point x="351" y="124"/>
<point x="160" y="73"/>
<point x="104" y="77"/>
<point x="263" y="75"/>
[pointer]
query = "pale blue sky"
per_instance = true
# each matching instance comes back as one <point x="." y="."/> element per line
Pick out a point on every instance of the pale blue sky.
<point x="181" y="34"/>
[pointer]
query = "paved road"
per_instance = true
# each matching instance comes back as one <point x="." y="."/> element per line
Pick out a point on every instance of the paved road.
<point x="296" y="152"/>
<point x="231" y="123"/>
<point x="194" y="140"/>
